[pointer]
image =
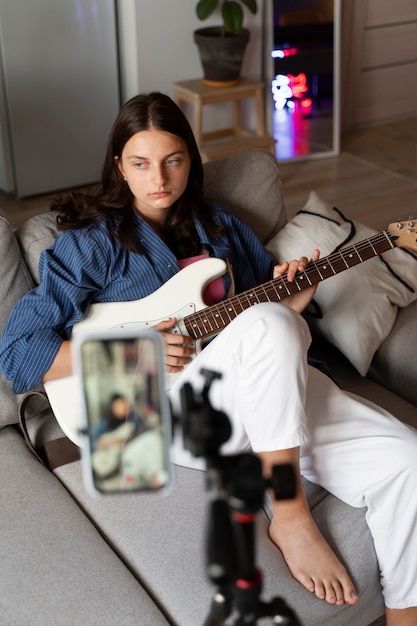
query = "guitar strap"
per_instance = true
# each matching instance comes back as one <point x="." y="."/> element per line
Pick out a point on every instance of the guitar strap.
<point x="232" y="288"/>
<point x="53" y="453"/>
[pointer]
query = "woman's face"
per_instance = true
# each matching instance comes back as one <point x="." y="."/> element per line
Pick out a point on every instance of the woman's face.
<point x="119" y="408"/>
<point x="156" y="165"/>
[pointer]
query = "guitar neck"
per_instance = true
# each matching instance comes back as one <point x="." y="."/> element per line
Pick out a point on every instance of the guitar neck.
<point x="211" y="320"/>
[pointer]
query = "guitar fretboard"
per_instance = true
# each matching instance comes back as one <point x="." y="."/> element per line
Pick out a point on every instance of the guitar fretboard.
<point x="213" y="319"/>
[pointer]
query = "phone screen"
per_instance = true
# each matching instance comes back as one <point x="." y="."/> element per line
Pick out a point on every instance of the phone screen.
<point x="127" y="421"/>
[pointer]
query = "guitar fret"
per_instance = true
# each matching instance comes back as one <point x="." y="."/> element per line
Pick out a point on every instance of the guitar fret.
<point x="219" y="315"/>
<point x="254" y="296"/>
<point x="228" y="313"/>
<point x="274" y="290"/>
<point x="296" y="283"/>
<point x="208" y="323"/>
<point x="266" y="299"/>
<point x="284" y="284"/>
<point x="361" y="259"/>
<point x="350" y="259"/>
<point x="345" y="262"/>
<point x="375" y="252"/>
<point x="331" y="267"/>
<point x="277" y="290"/>
<point x="319" y="273"/>
<point x="309" y="281"/>
<point x="247" y="297"/>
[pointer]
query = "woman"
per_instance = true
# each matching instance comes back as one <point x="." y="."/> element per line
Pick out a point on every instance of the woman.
<point x="118" y="412"/>
<point x="149" y="219"/>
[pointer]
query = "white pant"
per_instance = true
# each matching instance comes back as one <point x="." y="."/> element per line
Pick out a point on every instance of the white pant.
<point x="351" y="447"/>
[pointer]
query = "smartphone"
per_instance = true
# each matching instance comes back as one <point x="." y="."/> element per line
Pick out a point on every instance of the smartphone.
<point x="126" y="423"/>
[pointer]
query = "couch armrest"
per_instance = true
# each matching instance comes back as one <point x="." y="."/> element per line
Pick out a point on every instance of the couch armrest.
<point x="395" y="364"/>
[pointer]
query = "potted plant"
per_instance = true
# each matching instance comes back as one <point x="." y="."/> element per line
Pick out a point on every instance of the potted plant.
<point x="222" y="47"/>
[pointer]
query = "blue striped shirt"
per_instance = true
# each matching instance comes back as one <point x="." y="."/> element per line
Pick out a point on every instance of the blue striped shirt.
<point x="87" y="265"/>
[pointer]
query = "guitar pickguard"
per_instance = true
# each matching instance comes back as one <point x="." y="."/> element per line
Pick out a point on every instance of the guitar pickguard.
<point x="178" y="329"/>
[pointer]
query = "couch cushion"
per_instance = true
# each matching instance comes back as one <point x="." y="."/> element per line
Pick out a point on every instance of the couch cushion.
<point x="163" y="540"/>
<point x="356" y="309"/>
<point x="56" y="570"/>
<point x="15" y="281"/>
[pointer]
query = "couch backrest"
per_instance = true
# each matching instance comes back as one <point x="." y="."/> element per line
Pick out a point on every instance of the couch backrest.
<point x="247" y="182"/>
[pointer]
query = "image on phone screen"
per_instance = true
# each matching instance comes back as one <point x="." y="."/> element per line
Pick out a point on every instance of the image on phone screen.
<point x="127" y="415"/>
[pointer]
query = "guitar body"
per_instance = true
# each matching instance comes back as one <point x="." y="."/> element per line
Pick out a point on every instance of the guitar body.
<point x="178" y="297"/>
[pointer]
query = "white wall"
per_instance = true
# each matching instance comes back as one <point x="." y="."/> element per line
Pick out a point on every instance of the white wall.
<point x="157" y="49"/>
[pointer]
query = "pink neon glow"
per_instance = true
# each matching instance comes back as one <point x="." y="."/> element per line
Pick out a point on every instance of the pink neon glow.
<point x="298" y="84"/>
<point x="288" y="52"/>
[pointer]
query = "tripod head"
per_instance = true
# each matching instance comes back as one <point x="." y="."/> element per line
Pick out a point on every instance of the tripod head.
<point x="237" y="488"/>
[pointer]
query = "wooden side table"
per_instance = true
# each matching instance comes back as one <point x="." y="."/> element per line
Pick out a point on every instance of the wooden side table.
<point x="225" y="141"/>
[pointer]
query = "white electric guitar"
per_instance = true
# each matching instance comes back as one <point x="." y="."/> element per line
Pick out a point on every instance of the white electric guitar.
<point x="181" y="297"/>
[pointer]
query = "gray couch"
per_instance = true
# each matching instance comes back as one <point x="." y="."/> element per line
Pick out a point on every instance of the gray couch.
<point x="139" y="559"/>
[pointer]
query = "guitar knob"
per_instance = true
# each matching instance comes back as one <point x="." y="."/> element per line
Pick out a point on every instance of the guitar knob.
<point x="400" y="226"/>
<point x="410" y="225"/>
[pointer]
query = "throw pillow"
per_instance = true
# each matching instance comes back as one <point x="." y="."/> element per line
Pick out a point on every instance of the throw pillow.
<point x="356" y="309"/>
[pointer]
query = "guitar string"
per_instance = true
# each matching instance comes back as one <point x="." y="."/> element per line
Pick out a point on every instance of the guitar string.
<point x="350" y="256"/>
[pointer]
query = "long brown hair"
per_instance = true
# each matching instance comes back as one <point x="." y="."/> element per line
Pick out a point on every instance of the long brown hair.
<point x="114" y="200"/>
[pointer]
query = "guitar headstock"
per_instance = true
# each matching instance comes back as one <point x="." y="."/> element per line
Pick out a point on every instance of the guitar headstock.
<point x="404" y="234"/>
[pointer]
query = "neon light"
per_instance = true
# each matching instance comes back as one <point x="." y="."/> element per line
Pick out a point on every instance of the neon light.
<point x="298" y="84"/>
<point x="287" y="88"/>
<point x="281" y="91"/>
<point x="283" y="52"/>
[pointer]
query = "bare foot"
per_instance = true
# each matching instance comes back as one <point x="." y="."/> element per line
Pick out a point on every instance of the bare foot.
<point x="311" y="560"/>
<point x="309" y="557"/>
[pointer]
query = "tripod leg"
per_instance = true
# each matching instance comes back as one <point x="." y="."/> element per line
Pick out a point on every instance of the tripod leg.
<point x="220" y="609"/>
<point x="221" y="555"/>
<point x="221" y="561"/>
<point x="248" y="585"/>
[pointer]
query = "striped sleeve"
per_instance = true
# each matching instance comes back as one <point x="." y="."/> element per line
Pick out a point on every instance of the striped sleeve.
<point x="71" y="272"/>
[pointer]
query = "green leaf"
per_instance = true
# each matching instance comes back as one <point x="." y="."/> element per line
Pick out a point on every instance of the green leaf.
<point x="232" y="14"/>
<point x="205" y="8"/>
<point x="251" y="5"/>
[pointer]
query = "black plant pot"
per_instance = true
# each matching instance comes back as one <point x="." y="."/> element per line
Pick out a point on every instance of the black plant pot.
<point x="221" y="55"/>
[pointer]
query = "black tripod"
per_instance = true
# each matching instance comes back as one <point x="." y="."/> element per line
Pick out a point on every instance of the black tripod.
<point x="237" y="488"/>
